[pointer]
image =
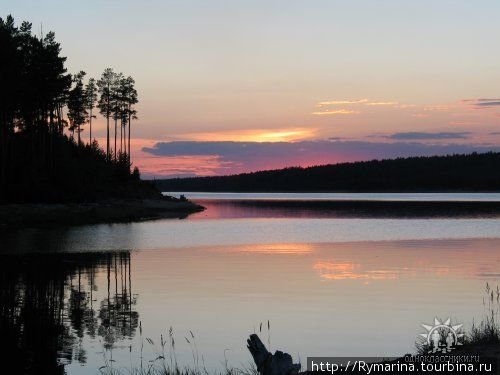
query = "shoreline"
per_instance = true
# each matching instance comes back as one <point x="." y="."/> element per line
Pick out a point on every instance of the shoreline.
<point x="110" y="211"/>
<point x="348" y="208"/>
<point x="14" y="215"/>
<point x="339" y="191"/>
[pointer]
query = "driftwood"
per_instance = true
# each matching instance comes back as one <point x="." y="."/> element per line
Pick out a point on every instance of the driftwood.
<point x="278" y="363"/>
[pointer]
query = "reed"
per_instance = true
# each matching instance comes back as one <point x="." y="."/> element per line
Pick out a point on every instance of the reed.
<point x="164" y="362"/>
<point x="484" y="333"/>
<point x="488" y="330"/>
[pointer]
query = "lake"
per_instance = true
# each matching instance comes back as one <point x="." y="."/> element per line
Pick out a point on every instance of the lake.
<point x="328" y="285"/>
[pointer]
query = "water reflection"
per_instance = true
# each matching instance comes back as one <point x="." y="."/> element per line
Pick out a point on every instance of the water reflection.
<point x="68" y="309"/>
<point x="341" y="271"/>
<point x="67" y="298"/>
<point x="348" y="207"/>
<point x="50" y="302"/>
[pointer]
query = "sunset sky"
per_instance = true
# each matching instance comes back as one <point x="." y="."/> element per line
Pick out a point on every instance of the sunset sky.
<point x="234" y="86"/>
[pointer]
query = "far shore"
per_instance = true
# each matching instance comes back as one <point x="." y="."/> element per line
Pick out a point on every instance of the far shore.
<point x="109" y="211"/>
<point x="372" y="208"/>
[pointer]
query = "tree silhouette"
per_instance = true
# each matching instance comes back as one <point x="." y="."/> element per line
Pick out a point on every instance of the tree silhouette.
<point x="90" y="102"/>
<point x="48" y="303"/>
<point x="470" y="172"/>
<point x="116" y="105"/>
<point x="77" y="109"/>
<point x="34" y="89"/>
<point x="130" y="98"/>
<point x="10" y="92"/>
<point x="105" y="103"/>
<point x="38" y="161"/>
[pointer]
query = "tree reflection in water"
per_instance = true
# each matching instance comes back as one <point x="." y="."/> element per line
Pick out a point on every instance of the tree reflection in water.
<point x="48" y="303"/>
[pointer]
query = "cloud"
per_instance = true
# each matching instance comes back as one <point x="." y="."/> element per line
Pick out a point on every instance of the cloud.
<point x="358" y="101"/>
<point x="488" y="104"/>
<point x="429" y="136"/>
<point x="438" y="108"/>
<point x="381" y="103"/>
<point x="181" y="165"/>
<point x="237" y="157"/>
<point x="252" y="135"/>
<point x="480" y="100"/>
<point x="335" y="112"/>
<point x="420" y="115"/>
<point x="463" y="123"/>
<point x="482" y="103"/>
<point x="341" y="102"/>
<point x="404" y="106"/>
<point x="337" y="138"/>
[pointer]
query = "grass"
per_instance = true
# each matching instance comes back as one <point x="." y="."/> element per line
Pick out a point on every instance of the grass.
<point x="484" y="333"/>
<point x="165" y="360"/>
<point x="488" y="330"/>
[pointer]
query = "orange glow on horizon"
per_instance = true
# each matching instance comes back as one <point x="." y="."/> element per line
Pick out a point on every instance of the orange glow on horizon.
<point x="347" y="120"/>
<point x="253" y="135"/>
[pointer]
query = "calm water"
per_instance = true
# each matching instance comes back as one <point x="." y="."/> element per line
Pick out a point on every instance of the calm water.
<point x="328" y="286"/>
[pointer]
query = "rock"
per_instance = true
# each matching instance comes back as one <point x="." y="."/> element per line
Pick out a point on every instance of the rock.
<point x="278" y="363"/>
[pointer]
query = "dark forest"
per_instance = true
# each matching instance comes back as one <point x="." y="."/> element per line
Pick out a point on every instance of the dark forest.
<point x="44" y="110"/>
<point x="472" y="172"/>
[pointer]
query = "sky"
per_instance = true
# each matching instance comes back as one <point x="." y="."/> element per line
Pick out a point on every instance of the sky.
<point x="236" y="86"/>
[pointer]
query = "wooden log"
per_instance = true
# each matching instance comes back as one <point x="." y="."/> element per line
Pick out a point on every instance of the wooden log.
<point x="278" y="363"/>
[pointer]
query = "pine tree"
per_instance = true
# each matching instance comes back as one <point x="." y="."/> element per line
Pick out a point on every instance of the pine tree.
<point x="130" y="98"/>
<point x="105" y="84"/>
<point x="90" y="101"/>
<point x="116" y="104"/>
<point x="37" y="161"/>
<point x="77" y="108"/>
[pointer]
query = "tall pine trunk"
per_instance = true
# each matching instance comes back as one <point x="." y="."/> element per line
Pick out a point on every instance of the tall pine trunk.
<point x="90" y="125"/>
<point x="107" y="135"/>
<point x="121" y="138"/>
<point x="107" y="121"/>
<point x="116" y="130"/>
<point x="129" y="125"/>
<point x="3" y="166"/>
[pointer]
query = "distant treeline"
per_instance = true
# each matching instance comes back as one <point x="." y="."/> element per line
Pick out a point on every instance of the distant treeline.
<point x="44" y="110"/>
<point x="471" y="172"/>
